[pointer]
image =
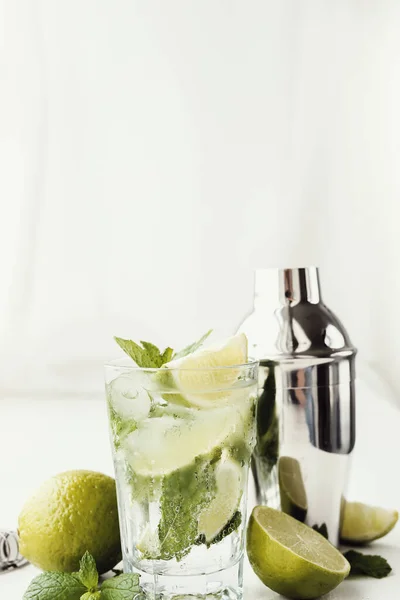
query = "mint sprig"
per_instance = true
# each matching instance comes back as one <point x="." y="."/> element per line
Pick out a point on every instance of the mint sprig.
<point x="148" y="356"/>
<point x="82" y="585"/>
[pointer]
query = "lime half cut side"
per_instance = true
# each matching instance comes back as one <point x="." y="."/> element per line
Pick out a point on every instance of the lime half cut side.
<point x="363" y="524"/>
<point x="291" y="558"/>
<point x="291" y="487"/>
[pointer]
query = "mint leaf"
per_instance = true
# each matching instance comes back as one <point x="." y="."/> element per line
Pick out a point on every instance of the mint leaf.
<point x="146" y="356"/>
<point x="167" y="355"/>
<point x="322" y="529"/>
<point x="91" y="596"/>
<point x="367" y="564"/>
<point x="88" y="572"/>
<point x="122" y="587"/>
<point x="153" y="352"/>
<point x="185" y="493"/>
<point x="49" y="586"/>
<point x="193" y="347"/>
<point x="120" y="428"/>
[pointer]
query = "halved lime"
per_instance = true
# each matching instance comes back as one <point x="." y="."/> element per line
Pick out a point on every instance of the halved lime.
<point x="292" y="490"/>
<point x="363" y="524"/>
<point x="204" y="377"/>
<point x="291" y="558"/>
<point x="229" y="488"/>
<point x="161" y="445"/>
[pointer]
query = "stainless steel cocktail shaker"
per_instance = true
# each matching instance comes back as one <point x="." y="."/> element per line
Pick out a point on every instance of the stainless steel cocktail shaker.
<point x="306" y="406"/>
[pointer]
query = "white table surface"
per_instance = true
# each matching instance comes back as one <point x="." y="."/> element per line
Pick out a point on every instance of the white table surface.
<point x="44" y="436"/>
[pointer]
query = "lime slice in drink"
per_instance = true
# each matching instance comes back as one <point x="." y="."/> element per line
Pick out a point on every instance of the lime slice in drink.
<point x="204" y="377"/>
<point x="291" y="486"/>
<point x="229" y="487"/>
<point x="291" y="558"/>
<point x="363" y="524"/>
<point x="161" y="445"/>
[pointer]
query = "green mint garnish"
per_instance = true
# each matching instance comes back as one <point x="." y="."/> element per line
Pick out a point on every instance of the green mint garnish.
<point x="51" y="585"/>
<point x="322" y="529"/>
<point x="367" y="564"/>
<point x="88" y="574"/>
<point x="120" y="428"/>
<point x="193" y="347"/>
<point x="82" y="585"/>
<point x="122" y="587"/>
<point x="146" y="356"/>
<point x="185" y="493"/>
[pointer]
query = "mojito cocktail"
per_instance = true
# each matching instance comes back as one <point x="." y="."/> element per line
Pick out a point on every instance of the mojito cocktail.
<point x="182" y="437"/>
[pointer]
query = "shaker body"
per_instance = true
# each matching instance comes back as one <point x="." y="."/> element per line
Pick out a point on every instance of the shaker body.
<point x="306" y="405"/>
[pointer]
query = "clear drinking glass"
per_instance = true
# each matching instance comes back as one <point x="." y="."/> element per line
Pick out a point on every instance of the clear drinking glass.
<point x="182" y="441"/>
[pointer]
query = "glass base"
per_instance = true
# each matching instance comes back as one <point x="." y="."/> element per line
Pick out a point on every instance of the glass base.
<point x="226" y="584"/>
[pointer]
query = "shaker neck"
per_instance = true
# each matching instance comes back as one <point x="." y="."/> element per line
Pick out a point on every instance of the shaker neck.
<point x="292" y="286"/>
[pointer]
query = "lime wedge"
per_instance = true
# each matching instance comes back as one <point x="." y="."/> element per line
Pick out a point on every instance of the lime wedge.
<point x="202" y="378"/>
<point x="291" y="486"/>
<point x="291" y="558"/>
<point x="164" y="444"/>
<point x="229" y="488"/>
<point x="363" y="524"/>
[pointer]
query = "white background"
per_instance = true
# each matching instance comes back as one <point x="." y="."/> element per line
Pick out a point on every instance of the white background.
<point x="152" y="153"/>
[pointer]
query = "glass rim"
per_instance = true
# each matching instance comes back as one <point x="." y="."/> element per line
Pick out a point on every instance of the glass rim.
<point x="117" y="364"/>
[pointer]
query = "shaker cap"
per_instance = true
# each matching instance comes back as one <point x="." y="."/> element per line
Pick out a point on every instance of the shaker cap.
<point x="297" y="324"/>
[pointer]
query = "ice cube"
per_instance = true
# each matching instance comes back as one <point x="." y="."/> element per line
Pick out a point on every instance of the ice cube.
<point x="128" y="399"/>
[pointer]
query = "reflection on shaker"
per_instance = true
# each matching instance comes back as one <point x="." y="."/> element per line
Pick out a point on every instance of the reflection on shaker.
<point x="266" y="452"/>
<point x="291" y="487"/>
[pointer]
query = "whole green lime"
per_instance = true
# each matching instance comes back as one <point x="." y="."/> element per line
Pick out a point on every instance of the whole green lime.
<point x="69" y="514"/>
